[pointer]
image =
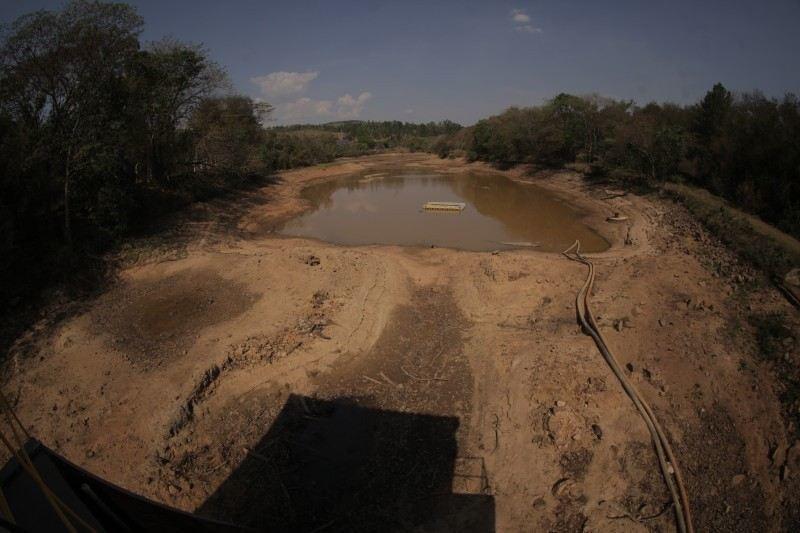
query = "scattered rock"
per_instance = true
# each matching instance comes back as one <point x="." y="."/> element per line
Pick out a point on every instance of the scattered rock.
<point x="312" y="260"/>
<point x="562" y="487"/>
<point x="561" y="403"/>
<point x="598" y="431"/>
<point x="630" y="367"/>
<point x="738" y="479"/>
<point x="318" y="299"/>
<point x="622" y="323"/>
<point x="563" y="425"/>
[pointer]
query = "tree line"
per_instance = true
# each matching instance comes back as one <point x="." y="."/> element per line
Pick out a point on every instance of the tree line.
<point x="745" y="148"/>
<point x="101" y="132"/>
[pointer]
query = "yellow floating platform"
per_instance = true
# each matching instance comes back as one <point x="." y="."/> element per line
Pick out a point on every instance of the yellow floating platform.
<point x="444" y="206"/>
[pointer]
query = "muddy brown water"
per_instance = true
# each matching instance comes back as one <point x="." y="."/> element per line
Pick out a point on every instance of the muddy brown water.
<point x="385" y="207"/>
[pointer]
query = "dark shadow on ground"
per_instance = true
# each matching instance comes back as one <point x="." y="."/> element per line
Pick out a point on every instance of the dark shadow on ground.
<point x="337" y="466"/>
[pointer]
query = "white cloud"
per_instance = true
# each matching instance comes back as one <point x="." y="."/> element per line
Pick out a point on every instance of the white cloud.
<point x="522" y="21"/>
<point x="519" y="15"/>
<point x="311" y="110"/>
<point x="284" y="83"/>
<point x="284" y="89"/>
<point x="349" y="107"/>
<point x="527" y="28"/>
<point x="409" y="111"/>
<point x="304" y="108"/>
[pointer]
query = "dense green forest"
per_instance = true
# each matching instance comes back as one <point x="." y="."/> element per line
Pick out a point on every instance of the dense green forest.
<point x="363" y="136"/>
<point x="308" y="144"/>
<point x="745" y="148"/>
<point x="100" y="133"/>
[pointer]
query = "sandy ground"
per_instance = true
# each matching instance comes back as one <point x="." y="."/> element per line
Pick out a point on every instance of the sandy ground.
<point x="292" y="384"/>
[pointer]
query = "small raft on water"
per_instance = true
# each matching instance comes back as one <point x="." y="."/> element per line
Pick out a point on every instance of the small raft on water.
<point x="444" y="206"/>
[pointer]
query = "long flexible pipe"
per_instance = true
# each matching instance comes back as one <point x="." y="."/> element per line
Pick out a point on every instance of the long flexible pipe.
<point x="666" y="458"/>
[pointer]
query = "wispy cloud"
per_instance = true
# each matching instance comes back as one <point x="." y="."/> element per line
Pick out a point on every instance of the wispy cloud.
<point x="521" y="21"/>
<point x="519" y="15"/>
<point x="346" y="107"/>
<point x="349" y="107"/>
<point x="527" y="28"/>
<point x="283" y="89"/>
<point x="276" y="84"/>
<point x="303" y="108"/>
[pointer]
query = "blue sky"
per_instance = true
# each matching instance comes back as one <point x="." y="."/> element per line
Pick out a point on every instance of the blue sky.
<point x="327" y="60"/>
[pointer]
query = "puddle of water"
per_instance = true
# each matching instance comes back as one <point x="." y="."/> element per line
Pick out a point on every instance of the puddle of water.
<point x="386" y="208"/>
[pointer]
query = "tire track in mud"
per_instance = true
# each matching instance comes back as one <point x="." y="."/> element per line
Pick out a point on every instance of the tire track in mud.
<point x="381" y="275"/>
<point x="404" y="403"/>
<point x="258" y="349"/>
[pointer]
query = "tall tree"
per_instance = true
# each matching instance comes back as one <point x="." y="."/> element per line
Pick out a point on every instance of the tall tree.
<point x="227" y="132"/>
<point x="709" y="126"/>
<point x="170" y="79"/>
<point x="59" y="73"/>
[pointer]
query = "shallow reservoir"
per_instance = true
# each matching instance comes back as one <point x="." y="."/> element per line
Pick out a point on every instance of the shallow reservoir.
<point x="386" y="207"/>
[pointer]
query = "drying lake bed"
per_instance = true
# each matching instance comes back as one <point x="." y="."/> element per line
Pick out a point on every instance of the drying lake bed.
<point x="265" y="344"/>
<point x="386" y="206"/>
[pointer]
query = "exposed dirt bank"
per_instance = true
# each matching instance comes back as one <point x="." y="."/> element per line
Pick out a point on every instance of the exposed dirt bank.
<point x="294" y="384"/>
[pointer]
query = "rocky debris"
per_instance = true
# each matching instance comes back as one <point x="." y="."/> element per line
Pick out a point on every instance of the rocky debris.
<point x="703" y="306"/>
<point x="777" y="453"/>
<point x="622" y="323"/>
<point x="689" y="236"/>
<point x="256" y="349"/>
<point x="312" y="260"/>
<point x="319" y="298"/>
<point x="564" y="426"/>
<point x="186" y="411"/>
<point x="565" y="488"/>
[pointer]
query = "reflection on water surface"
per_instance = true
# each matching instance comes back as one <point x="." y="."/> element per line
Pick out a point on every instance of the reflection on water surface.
<point x="386" y="208"/>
